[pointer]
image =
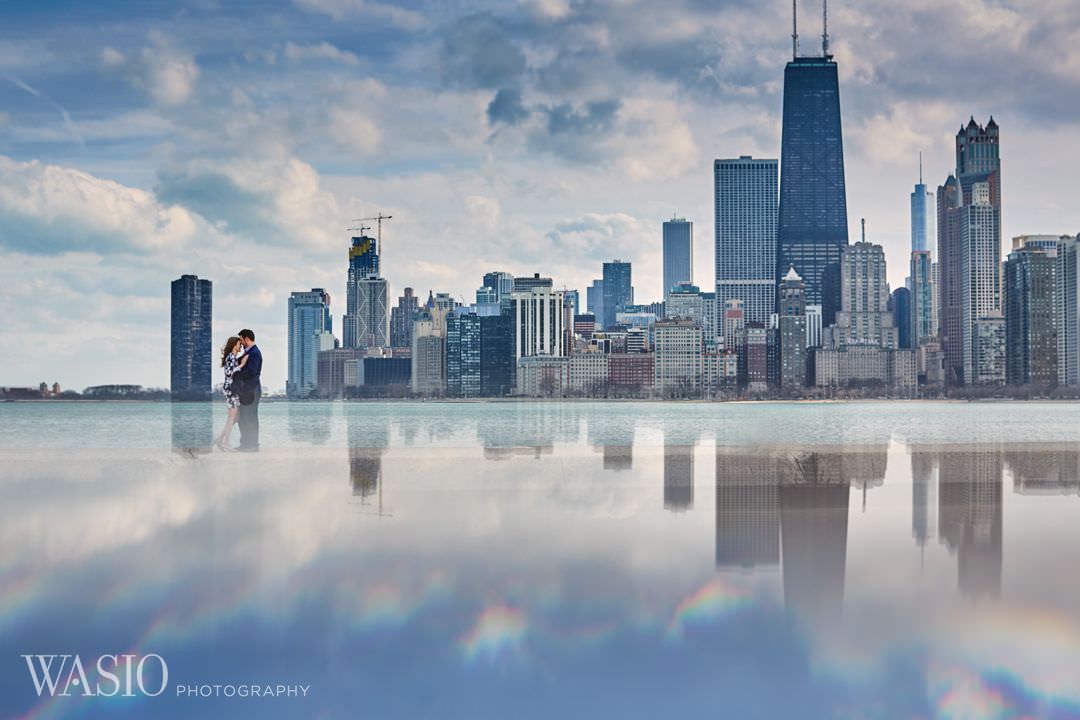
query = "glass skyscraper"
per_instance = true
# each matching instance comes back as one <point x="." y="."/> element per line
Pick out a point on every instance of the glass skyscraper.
<point x="310" y="332"/>
<point x="190" y="348"/>
<point x="678" y="255"/>
<point x="813" y="228"/>
<point x="746" y="216"/>
<point x="922" y="213"/>
<point x="366" y="298"/>
<point x="618" y="290"/>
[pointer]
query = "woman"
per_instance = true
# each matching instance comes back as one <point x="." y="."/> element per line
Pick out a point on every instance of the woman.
<point x="232" y="359"/>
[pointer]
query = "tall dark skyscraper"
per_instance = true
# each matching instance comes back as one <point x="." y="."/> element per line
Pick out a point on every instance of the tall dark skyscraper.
<point x="192" y="315"/>
<point x="618" y="290"/>
<point x="813" y="227"/>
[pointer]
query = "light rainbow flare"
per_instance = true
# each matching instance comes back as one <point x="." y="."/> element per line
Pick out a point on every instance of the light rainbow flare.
<point x="498" y="630"/>
<point x="711" y="601"/>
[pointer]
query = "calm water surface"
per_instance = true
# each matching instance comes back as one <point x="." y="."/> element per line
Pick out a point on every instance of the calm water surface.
<point x="552" y="559"/>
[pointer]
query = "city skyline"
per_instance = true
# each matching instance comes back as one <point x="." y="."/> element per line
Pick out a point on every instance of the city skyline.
<point x="124" y="178"/>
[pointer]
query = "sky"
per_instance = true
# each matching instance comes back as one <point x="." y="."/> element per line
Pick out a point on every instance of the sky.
<point x="238" y="140"/>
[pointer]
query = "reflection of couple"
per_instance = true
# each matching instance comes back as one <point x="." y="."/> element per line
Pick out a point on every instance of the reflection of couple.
<point x="242" y="362"/>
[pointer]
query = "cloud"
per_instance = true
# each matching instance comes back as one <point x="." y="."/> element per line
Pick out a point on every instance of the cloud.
<point x="167" y="74"/>
<point x="268" y="200"/>
<point x="477" y="54"/>
<point x="342" y="9"/>
<point x="48" y="209"/>
<point x="353" y="129"/>
<point x="324" y="51"/>
<point x="506" y="107"/>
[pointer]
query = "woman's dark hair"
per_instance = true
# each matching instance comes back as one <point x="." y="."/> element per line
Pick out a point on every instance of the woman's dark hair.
<point x="230" y="345"/>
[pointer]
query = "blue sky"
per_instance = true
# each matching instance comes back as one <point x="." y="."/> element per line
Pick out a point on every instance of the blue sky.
<point x="236" y="140"/>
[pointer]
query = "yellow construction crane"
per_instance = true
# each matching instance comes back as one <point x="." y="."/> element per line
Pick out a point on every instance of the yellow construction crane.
<point x="378" y="220"/>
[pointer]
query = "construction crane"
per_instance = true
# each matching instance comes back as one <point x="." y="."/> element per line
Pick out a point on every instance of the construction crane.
<point x="378" y="220"/>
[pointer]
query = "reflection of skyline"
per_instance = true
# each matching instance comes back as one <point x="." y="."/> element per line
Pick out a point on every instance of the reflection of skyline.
<point x="614" y="436"/>
<point x="527" y="431"/>
<point x="923" y="497"/>
<point x="309" y="422"/>
<point x="1044" y="470"/>
<point x="970" y="511"/>
<point x="368" y="438"/>
<point x="678" y="477"/>
<point x="747" y="509"/>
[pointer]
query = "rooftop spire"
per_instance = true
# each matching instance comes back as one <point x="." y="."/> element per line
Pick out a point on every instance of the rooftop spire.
<point x="825" y="29"/>
<point x="794" y="29"/>
<point x="863" y="221"/>
<point x="920" y="168"/>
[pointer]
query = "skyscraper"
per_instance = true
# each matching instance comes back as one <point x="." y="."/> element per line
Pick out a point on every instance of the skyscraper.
<point x="366" y="298"/>
<point x="900" y="303"/>
<point x="813" y="228"/>
<point x="401" y="319"/>
<point x="618" y="290"/>
<point x="745" y="196"/>
<point x="310" y="332"/>
<point x="678" y="254"/>
<point x="922" y="297"/>
<point x="190" y="347"/>
<point x="539" y="323"/>
<point x="501" y="282"/>
<point x="980" y="287"/>
<point x="950" y="203"/>
<point x="921" y="215"/>
<point x="1068" y="310"/>
<point x="791" y="322"/>
<point x="594" y="301"/>
<point x="1030" y="334"/>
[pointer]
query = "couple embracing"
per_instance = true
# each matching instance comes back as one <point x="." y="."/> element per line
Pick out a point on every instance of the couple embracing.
<point x="242" y="362"/>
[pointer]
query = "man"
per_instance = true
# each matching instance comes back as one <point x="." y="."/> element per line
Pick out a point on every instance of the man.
<point x="251" y="390"/>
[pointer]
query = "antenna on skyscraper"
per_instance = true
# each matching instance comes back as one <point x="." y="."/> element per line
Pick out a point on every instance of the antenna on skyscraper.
<point x="920" y="168"/>
<point x="863" y="221"/>
<point x="794" y="29"/>
<point x="825" y="29"/>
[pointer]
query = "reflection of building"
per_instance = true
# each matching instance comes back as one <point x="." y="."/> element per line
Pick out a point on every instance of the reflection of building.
<point x="368" y="438"/>
<point x="747" y="509"/>
<point x="192" y="301"/>
<point x="813" y="530"/>
<point x="923" y="497"/>
<point x="192" y="428"/>
<point x="1045" y="470"/>
<point x="969" y="514"/>
<point x="678" y="477"/>
<point x="309" y="423"/>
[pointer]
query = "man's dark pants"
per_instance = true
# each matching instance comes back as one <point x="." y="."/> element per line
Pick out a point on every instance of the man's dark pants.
<point x="248" y="422"/>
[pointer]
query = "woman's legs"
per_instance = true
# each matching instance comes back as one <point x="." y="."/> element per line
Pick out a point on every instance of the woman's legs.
<point x="223" y="438"/>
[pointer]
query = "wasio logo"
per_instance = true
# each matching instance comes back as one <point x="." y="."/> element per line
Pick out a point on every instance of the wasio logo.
<point x="125" y="675"/>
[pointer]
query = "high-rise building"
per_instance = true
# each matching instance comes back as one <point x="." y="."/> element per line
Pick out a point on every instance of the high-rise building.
<point x="366" y="298"/>
<point x="618" y="290"/>
<point x="745" y="197"/>
<point x="539" y="323"/>
<point x="678" y="254"/>
<point x="923" y="298"/>
<point x="1031" y="346"/>
<point x="685" y="301"/>
<point x="1068" y="310"/>
<point x="922" y="215"/>
<point x="862" y="346"/>
<point x="463" y="355"/>
<point x="950" y="202"/>
<point x="501" y="282"/>
<point x="525" y="284"/>
<point x="401" y="320"/>
<point x="498" y="367"/>
<point x="190" y="347"/>
<point x="980" y="288"/>
<point x="969" y="249"/>
<point x="429" y="350"/>
<point x="678" y="357"/>
<point x="813" y="228"/>
<point x="900" y="303"/>
<point x="733" y="322"/>
<point x="594" y="301"/>
<point x="310" y="332"/>
<point x="791" y="328"/>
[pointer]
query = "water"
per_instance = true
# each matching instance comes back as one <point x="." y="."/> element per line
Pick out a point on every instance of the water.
<point x="550" y="559"/>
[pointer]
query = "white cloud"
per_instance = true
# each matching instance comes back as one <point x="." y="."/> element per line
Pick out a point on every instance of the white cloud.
<point x="352" y="129"/>
<point x="50" y="209"/>
<point x="321" y="51"/>
<point x="166" y="73"/>
<point x="343" y="9"/>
